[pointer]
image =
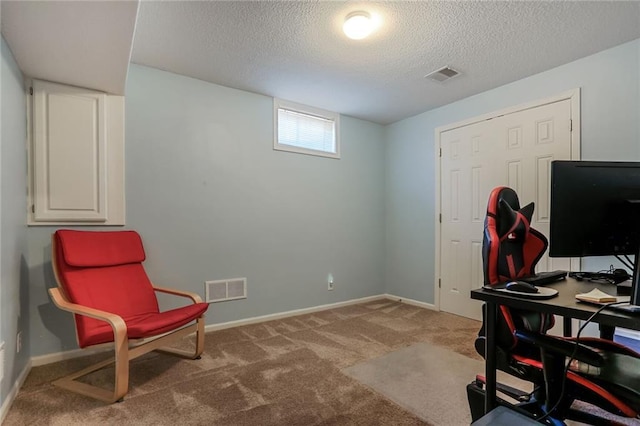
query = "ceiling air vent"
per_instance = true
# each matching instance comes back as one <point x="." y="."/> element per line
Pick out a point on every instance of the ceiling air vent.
<point x="442" y="75"/>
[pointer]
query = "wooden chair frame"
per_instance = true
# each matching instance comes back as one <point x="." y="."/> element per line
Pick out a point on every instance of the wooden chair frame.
<point x="125" y="350"/>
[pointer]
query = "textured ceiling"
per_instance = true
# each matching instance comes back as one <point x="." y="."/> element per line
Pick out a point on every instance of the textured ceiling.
<point x="296" y="50"/>
<point x="80" y="43"/>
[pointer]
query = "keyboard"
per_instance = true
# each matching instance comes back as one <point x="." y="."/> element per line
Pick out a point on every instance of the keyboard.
<point x="543" y="278"/>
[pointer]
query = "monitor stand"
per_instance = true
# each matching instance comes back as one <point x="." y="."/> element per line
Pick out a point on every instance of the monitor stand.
<point x="634" y="301"/>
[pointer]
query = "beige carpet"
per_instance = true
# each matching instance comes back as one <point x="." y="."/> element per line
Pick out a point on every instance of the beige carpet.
<point x="408" y="377"/>
<point x="376" y="363"/>
<point x="285" y="372"/>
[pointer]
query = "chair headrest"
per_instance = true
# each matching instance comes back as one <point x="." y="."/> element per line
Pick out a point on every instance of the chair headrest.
<point x="511" y="248"/>
<point x="504" y="208"/>
<point x="100" y="248"/>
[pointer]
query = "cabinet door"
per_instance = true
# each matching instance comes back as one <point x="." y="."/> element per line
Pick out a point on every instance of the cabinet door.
<point x="69" y="154"/>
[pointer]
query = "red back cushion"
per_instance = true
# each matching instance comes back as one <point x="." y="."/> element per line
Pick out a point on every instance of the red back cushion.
<point x="93" y="249"/>
<point x="103" y="270"/>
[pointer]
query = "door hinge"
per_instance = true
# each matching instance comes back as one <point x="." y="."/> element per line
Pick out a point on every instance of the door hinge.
<point x="440" y="152"/>
<point x="440" y="217"/>
<point x="33" y="208"/>
<point x="570" y="125"/>
<point x="439" y="283"/>
<point x="31" y="91"/>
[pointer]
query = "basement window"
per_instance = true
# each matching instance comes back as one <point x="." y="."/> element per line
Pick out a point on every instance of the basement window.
<point x="306" y="130"/>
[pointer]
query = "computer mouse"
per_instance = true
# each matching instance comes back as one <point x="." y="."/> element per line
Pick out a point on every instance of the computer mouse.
<point x="522" y="287"/>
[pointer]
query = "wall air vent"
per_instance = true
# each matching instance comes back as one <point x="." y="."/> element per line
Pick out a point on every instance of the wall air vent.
<point x="442" y="75"/>
<point x="223" y="290"/>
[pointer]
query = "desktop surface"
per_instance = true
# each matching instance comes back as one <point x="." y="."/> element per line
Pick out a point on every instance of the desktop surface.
<point x="565" y="304"/>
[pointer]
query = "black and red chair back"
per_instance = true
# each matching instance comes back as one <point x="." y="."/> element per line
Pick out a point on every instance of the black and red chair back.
<point x="511" y="249"/>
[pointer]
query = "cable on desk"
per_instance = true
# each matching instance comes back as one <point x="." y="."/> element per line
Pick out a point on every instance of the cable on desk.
<point x="611" y="276"/>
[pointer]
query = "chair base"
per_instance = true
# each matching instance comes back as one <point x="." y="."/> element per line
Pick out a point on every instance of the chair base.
<point x="532" y="408"/>
<point x="122" y="359"/>
<point x="503" y="416"/>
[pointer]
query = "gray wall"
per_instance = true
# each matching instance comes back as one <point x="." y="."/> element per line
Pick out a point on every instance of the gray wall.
<point x="14" y="308"/>
<point x="610" y="96"/>
<point x="213" y="200"/>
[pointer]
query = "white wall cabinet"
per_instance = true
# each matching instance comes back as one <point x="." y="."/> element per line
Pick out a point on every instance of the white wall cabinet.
<point x="76" y="167"/>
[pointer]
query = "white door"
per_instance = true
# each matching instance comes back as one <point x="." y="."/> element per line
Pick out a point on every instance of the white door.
<point x="76" y="156"/>
<point x="69" y="152"/>
<point x="515" y="150"/>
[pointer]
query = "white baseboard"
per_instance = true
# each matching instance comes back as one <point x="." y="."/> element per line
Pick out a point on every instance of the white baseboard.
<point x="6" y="405"/>
<point x="75" y="353"/>
<point x="37" y="361"/>
<point x="280" y="315"/>
<point x="413" y="302"/>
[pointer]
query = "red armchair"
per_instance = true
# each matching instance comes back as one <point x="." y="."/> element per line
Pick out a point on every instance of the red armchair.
<point x="101" y="280"/>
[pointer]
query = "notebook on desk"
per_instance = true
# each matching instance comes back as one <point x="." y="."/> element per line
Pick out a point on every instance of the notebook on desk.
<point x="624" y="304"/>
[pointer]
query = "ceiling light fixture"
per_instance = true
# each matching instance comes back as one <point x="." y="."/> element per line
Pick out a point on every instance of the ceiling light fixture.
<point x="358" y="25"/>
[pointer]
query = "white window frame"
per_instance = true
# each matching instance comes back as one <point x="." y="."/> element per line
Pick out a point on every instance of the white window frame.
<point x="305" y="109"/>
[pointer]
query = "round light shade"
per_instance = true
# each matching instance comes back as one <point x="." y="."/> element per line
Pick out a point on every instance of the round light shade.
<point x="358" y="25"/>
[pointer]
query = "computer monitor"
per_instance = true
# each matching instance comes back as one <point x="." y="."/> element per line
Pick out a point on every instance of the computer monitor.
<point x="595" y="211"/>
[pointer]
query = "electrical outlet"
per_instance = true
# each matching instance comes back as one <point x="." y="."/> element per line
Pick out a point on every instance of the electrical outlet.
<point x="330" y="282"/>
<point x="19" y="342"/>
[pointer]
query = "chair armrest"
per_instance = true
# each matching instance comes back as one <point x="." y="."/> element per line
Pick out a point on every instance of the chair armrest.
<point x="607" y="345"/>
<point x="562" y="346"/>
<point x="116" y="321"/>
<point x="193" y="296"/>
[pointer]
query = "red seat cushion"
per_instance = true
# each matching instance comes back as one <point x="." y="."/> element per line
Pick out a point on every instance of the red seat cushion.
<point x="103" y="270"/>
<point x="147" y="325"/>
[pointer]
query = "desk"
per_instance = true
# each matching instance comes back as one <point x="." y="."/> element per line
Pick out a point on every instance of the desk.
<point x="564" y="305"/>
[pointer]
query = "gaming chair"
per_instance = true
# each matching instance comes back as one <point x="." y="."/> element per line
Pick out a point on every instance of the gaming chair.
<point x="511" y="249"/>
